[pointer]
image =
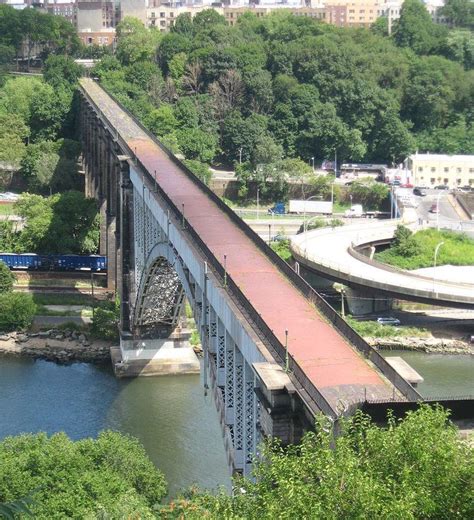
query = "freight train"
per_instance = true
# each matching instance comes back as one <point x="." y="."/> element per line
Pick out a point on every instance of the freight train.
<point x="32" y="261"/>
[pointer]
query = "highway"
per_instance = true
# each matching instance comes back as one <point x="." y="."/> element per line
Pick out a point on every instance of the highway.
<point x="327" y="252"/>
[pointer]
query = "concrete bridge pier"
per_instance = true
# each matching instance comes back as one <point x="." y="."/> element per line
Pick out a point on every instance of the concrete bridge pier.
<point x="361" y="302"/>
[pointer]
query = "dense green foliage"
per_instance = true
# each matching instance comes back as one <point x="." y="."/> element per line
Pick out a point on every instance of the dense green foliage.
<point x="417" y="468"/>
<point x="282" y="249"/>
<point x="16" y="311"/>
<point x="372" y="329"/>
<point x="110" y="477"/>
<point x="62" y="223"/>
<point x="105" y="320"/>
<point x="37" y="126"/>
<point x="28" y="28"/>
<point x="7" y="278"/>
<point x="414" y="251"/>
<point x="280" y="87"/>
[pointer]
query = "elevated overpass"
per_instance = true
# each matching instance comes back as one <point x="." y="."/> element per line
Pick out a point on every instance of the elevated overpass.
<point x="335" y="254"/>
<point x="275" y="353"/>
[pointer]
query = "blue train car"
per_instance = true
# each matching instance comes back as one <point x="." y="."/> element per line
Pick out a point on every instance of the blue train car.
<point x="23" y="261"/>
<point x="55" y="262"/>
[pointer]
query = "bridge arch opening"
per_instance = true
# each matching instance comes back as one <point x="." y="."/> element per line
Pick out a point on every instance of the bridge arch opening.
<point x="160" y="301"/>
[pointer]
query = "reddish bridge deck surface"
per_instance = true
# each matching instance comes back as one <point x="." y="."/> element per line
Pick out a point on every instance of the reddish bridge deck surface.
<point x="328" y="360"/>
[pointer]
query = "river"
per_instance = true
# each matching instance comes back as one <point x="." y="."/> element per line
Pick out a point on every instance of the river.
<point x="177" y="425"/>
<point x="445" y="375"/>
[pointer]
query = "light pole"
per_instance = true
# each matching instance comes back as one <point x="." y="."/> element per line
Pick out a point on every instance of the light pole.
<point x="304" y="210"/>
<point x="240" y="155"/>
<point x="434" y="265"/>
<point x="312" y="162"/>
<point x="437" y="209"/>
<point x="258" y="203"/>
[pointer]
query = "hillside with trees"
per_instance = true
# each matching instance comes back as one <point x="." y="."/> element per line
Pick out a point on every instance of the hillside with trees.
<point x="270" y="93"/>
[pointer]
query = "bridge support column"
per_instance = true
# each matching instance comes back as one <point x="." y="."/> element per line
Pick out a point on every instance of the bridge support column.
<point x="359" y="302"/>
<point x="239" y="405"/>
<point x="125" y="244"/>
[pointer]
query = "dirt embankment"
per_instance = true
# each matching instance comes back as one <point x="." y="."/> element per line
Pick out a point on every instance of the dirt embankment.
<point x="61" y="346"/>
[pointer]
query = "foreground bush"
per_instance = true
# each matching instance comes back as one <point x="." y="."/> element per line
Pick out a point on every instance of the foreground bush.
<point x="110" y="477"/>
<point x="7" y="278"/>
<point x="16" y="311"/>
<point x="417" y="468"/>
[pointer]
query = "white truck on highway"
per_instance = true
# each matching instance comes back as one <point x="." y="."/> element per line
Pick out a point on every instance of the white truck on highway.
<point x="310" y="206"/>
<point x="357" y="211"/>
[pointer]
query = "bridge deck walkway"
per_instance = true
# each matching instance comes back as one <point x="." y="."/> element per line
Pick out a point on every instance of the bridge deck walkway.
<point x="328" y="360"/>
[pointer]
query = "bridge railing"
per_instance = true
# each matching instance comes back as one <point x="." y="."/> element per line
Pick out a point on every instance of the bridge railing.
<point x="268" y="337"/>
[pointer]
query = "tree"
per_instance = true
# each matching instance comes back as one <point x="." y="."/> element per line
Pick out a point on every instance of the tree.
<point x="368" y="471"/>
<point x="460" y="13"/>
<point x="7" y="278"/>
<point x="161" y="121"/>
<point x="16" y="313"/>
<point x="298" y="171"/>
<point x="380" y="26"/>
<point x="197" y="144"/>
<point x="61" y="71"/>
<point x="369" y="193"/>
<point x="63" y="223"/>
<point x="199" y="169"/>
<point x="107" y="477"/>
<point x="460" y="47"/>
<point x="415" y="29"/>
<point x="136" y="43"/>
<point x="13" y="133"/>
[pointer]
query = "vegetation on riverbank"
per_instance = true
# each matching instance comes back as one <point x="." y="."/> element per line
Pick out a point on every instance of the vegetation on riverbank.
<point x="415" y="468"/>
<point x="110" y="477"/>
<point x="373" y="329"/>
<point x="414" y="251"/>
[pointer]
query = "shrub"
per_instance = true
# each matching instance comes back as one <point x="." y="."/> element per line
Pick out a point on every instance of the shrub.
<point x="7" y="278"/>
<point x="105" y="321"/>
<point x="16" y="311"/>
<point x="110" y="477"/>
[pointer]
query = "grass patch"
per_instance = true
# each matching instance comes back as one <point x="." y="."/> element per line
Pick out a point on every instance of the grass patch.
<point x="6" y="209"/>
<point x="194" y="339"/>
<point x="458" y="249"/>
<point x="63" y="299"/>
<point x="373" y="329"/>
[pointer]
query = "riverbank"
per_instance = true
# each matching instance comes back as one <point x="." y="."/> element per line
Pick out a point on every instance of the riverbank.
<point x="429" y="345"/>
<point x="60" y="346"/>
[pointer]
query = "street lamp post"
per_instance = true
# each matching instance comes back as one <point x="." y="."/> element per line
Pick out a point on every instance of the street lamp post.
<point x="258" y="203"/>
<point x="437" y="209"/>
<point x="312" y="162"/>
<point x="240" y="155"/>
<point x="304" y="210"/>
<point x="434" y="265"/>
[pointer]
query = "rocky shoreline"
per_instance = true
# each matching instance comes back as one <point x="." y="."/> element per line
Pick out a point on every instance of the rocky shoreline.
<point x="429" y="345"/>
<point x="60" y="346"/>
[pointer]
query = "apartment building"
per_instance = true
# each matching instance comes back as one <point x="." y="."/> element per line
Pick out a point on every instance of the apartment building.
<point x="66" y="9"/>
<point x="436" y="169"/>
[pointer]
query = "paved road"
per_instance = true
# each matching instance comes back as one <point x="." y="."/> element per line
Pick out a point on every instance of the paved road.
<point x="327" y="251"/>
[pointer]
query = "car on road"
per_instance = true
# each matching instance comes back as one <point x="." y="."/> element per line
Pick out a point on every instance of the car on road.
<point x="434" y="208"/>
<point x="442" y="187"/>
<point x="388" y="320"/>
<point x="420" y="192"/>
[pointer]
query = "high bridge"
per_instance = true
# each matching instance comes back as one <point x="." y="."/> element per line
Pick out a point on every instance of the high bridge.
<point x="275" y="351"/>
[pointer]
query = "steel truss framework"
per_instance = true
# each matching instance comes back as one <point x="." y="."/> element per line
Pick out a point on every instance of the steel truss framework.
<point x="162" y="280"/>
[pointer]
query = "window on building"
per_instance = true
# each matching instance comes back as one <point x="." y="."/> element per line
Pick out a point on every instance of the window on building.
<point x="433" y="169"/>
<point x="162" y="15"/>
<point x="171" y="15"/>
<point x="162" y="23"/>
<point x="432" y="180"/>
<point x="445" y="180"/>
<point x="458" y="181"/>
<point x="420" y="168"/>
<point x="458" y="170"/>
<point x="471" y="170"/>
<point x="446" y="170"/>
